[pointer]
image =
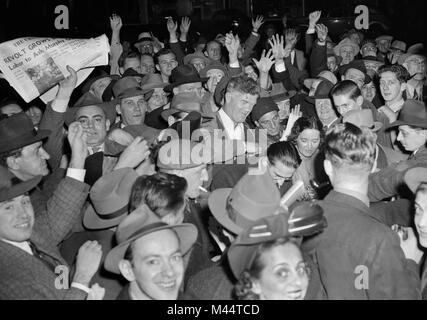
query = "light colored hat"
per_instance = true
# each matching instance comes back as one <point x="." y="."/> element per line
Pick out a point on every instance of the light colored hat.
<point x="397" y="44"/>
<point x="384" y="37"/>
<point x="416" y="48"/>
<point x="362" y="119"/>
<point x="346" y="42"/>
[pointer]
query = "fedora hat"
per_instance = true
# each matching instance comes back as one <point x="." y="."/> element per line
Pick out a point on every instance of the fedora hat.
<point x="213" y="65"/>
<point x="322" y="91"/>
<point x="399" y="45"/>
<point x="416" y="48"/>
<point x="108" y="94"/>
<point x="88" y="99"/>
<point x="12" y="187"/>
<point x="252" y="198"/>
<point x="358" y="65"/>
<point x="110" y="199"/>
<point x="406" y="56"/>
<point x="152" y="81"/>
<point x="362" y="119"/>
<point x="184" y="74"/>
<point x="384" y="37"/>
<point x="262" y="107"/>
<point x="346" y="42"/>
<point x="18" y="131"/>
<point x="414" y="114"/>
<point x="137" y="225"/>
<point x="128" y="87"/>
<point x="192" y="121"/>
<point x="197" y="55"/>
<point x="185" y="102"/>
<point x="100" y="75"/>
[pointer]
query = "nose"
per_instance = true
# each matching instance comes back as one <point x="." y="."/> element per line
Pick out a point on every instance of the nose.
<point x="44" y="154"/>
<point x="205" y="176"/>
<point x="423" y="220"/>
<point x="399" y="137"/>
<point x="168" y="270"/>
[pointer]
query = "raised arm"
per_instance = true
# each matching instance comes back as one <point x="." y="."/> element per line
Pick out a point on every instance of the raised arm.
<point x="116" y="47"/>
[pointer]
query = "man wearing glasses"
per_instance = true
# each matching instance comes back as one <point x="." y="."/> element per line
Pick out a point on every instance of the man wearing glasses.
<point x="415" y="64"/>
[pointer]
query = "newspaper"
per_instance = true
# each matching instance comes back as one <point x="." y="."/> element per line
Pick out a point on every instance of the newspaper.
<point x="35" y="66"/>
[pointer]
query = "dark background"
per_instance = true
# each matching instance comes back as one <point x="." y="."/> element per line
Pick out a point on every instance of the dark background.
<point x="89" y="18"/>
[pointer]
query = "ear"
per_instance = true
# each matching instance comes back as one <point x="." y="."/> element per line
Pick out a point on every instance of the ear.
<point x="256" y="287"/>
<point x="405" y="65"/>
<point x="257" y="123"/>
<point x="121" y="70"/>
<point x="359" y="101"/>
<point x="403" y="87"/>
<point x="171" y="120"/>
<point x="126" y="270"/>
<point x="327" y="165"/>
<point x="206" y="53"/>
<point x="169" y="219"/>
<point x="227" y="96"/>
<point x="12" y="163"/>
<point x="118" y="109"/>
<point x="157" y="67"/>
<point x="175" y="91"/>
<point x="107" y="125"/>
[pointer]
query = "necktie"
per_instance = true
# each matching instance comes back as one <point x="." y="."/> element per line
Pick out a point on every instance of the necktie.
<point x="96" y="149"/>
<point x="46" y="259"/>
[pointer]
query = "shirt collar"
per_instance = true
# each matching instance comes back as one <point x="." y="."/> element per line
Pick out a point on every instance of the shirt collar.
<point x="21" y="245"/>
<point x="92" y="151"/>
<point x="229" y="124"/>
<point x="397" y="106"/>
<point x="360" y="196"/>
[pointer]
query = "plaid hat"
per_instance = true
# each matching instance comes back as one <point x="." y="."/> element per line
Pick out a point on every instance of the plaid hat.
<point x="262" y="107"/>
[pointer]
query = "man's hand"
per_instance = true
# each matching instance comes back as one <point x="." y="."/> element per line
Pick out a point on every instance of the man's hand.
<point x="121" y="137"/>
<point x="410" y="246"/>
<point x="266" y="62"/>
<point x="185" y="25"/>
<point x="134" y="154"/>
<point x="157" y="45"/>
<point x="391" y="115"/>
<point x="291" y="38"/>
<point x="96" y="292"/>
<point x="257" y="23"/>
<point x="314" y="18"/>
<point x="116" y="23"/>
<point x="277" y="47"/>
<point x="232" y="44"/>
<point x="67" y="86"/>
<point x="77" y="140"/>
<point x="322" y="32"/>
<point x="172" y="28"/>
<point x="87" y="262"/>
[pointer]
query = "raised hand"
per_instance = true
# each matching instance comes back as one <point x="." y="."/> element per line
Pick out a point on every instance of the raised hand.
<point x="121" y="137"/>
<point x="294" y="116"/>
<point x="67" y="86"/>
<point x="291" y="38"/>
<point x="277" y="47"/>
<point x="87" y="262"/>
<point x="185" y="25"/>
<point x="77" y="140"/>
<point x="266" y="62"/>
<point x="134" y="154"/>
<point x="314" y="18"/>
<point x="257" y="23"/>
<point x="232" y="44"/>
<point x="157" y="45"/>
<point x="116" y="22"/>
<point x="322" y="32"/>
<point x="172" y="26"/>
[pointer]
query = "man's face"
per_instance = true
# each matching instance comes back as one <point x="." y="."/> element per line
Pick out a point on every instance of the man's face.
<point x="195" y="178"/>
<point x="270" y="32"/>
<point x="32" y="162"/>
<point x="411" y="139"/>
<point x="345" y="104"/>
<point x="280" y="172"/>
<point x="132" y="110"/>
<point x="356" y="76"/>
<point x="145" y="47"/>
<point x="166" y="64"/>
<point x="157" y="100"/>
<point x="369" y="91"/>
<point x="99" y="86"/>
<point x="132" y="63"/>
<point x="372" y="65"/>
<point x="355" y="37"/>
<point x="284" y="108"/>
<point x="369" y="49"/>
<point x="158" y="266"/>
<point x="147" y="64"/>
<point x="270" y="122"/>
<point x="390" y="86"/>
<point x="324" y="110"/>
<point x="198" y="63"/>
<point x="250" y="72"/>
<point x="16" y="219"/>
<point x="11" y="109"/>
<point x="215" y="77"/>
<point x="384" y="45"/>
<point x="195" y="88"/>
<point x="241" y="105"/>
<point x="416" y="67"/>
<point x="420" y="218"/>
<point x="94" y="124"/>
<point x="214" y="51"/>
<point x="347" y="53"/>
<point x="332" y="64"/>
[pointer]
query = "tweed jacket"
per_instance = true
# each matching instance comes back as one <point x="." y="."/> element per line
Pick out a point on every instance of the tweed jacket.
<point x="25" y="277"/>
<point x="356" y="246"/>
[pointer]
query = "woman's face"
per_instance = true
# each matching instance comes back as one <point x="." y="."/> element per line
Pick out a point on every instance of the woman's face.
<point x="285" y="274"/>
<point x="308" y="142"/>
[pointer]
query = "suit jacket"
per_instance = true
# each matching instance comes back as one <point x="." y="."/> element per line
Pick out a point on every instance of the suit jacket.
<point x="355" y="245"/>
<point x="25" y="277"/>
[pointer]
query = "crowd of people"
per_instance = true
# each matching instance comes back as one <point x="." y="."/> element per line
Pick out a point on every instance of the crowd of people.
<point x="162" y="176"/>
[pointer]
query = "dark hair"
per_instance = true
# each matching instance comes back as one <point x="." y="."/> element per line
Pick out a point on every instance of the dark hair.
<point x="243" y="84"/>
<point x="163" y="193"/>
<point x="400" y="71"/>
<point x="346" y="87"/>
<point x="305" y="123"/>
<point x="132" y="54"/>
<point x="284" y="152"/>
<point x="243" y="287"/>
<point x="162" y="52"/>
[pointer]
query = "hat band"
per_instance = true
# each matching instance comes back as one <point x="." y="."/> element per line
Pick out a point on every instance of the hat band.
<point x="236" y="216"/>
<point x="147" y="228"/>
<point x="414" y="120"/>
<point x="131" y="91"/>
<point x="16" y="140"/>
<point x="188" y="79"/>
<point x="114" y="215"/>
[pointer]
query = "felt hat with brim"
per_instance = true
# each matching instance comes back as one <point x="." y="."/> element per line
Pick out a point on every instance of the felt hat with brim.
<point x="324" y="75"/>
<point x="197" y="55"/>
<point x="140" y="223"/>
<point x="188" y="125"/>
<point x="413" y="113"/>
<point x="12" y="187"/>
<point x="185" y="102"/>
<point x="110" y="199"/>
<point x="372" y="59"/>
<point x="406" y="56"/>
<point x="143" y="37"/>
<point x="128" y="87"/>
<point x="346" y="42"/>
<point x="88" y="100"/>
<point x="362" y="119"/>
<point x="182" y="154"/>
<point x="18" y="131"/>
<point x="384" y="37"/>
<point x="262" y="107"/>
<point x="89" y="82"/>
<point x="322" y="91"/>
<point x="338" y="58"/>
<point x="398" y="45"/>
<point x="152" y="81"/>
<point x="182" y="75"/>
<point x="213" y="65"/>
<point x="358" y="65"/>
<point x="252" y="198"/>
<point x="108" y="94"/>
<point x="417" y="48"/>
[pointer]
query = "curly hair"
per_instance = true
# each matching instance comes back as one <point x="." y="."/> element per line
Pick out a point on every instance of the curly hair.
<point x="305" y="123"/>
<point x="243" y="84"/>
<point x="400" y="71"/>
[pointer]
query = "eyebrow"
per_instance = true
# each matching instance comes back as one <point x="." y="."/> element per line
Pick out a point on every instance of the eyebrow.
<point x="159" y="256"/>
